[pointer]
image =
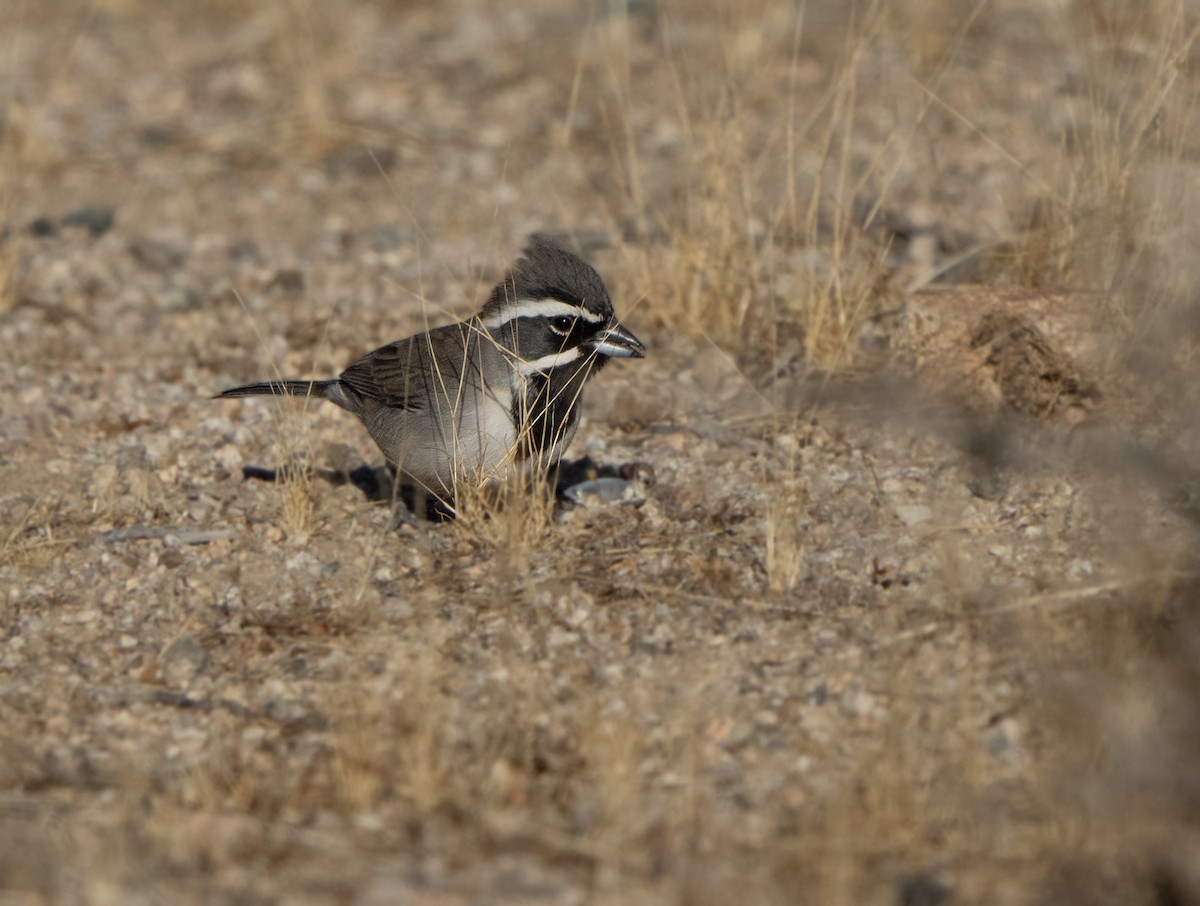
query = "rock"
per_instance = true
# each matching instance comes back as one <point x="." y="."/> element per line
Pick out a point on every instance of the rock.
<point x="157" y="253"/>
<point x="244" y="250"/>
<point x="911" y="514"/>
<point x="293" y="714"/>
<point x="858" y="703"/>
<point x="42" y="228"/>
<point x="922" y="890"/>
<point x="739" y="734"/>
<point x="158" y="135"/>
<point x="96" y="220"/>
<point x="171" y="558"/>
<point x="385" y="237"/>
<point x="600" y="491"/>
<point x="182" y="662"/>
<point x="287" y="279"/>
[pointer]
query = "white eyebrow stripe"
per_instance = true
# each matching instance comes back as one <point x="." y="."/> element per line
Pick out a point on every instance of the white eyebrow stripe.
<point x="540" y="308"/>
<point x="546" y="362"/>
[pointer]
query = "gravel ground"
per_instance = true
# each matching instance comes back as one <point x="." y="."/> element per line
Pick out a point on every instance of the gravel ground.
<point x="910" y="625"/>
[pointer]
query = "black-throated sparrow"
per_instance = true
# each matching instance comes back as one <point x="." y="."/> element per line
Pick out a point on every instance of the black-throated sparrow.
<point x="472" y="401"/>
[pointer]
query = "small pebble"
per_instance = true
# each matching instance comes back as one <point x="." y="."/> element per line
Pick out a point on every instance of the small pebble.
<point x="605" y="490"/>
<point x="911" y="514"/>
<point x="96" y="220"/>
<point x="182" y="662"/>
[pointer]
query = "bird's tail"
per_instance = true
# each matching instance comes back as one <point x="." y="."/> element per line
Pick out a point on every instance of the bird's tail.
<point x="325" y="390"/>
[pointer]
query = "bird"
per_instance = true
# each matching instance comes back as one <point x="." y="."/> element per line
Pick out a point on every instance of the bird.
<point x="490" y="397"/>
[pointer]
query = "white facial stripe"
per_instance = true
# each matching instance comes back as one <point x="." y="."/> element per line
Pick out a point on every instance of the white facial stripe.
<point x="546" y="362"/>
<point x="540" y="308"/>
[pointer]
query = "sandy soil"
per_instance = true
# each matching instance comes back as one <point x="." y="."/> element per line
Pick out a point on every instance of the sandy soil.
<point x="898" y="602"/>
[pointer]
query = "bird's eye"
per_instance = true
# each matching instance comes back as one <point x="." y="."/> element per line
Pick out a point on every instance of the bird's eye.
<point x="562" y="324"/>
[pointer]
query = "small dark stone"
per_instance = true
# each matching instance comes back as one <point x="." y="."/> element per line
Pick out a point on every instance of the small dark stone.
<point x="43" y="227"/>
<point x="987" y="485"/>
<point x="157" y="254"/>
<point x="287" y="279"/>
<point x="385" y="237"/>
<point x="171" y="558"/>
<point x="244" y="250"/>
<point x="922" y="890"/>
<point x="158" y="136"/>
<point x="182" y="661"/>
<point x="96" y="220"/>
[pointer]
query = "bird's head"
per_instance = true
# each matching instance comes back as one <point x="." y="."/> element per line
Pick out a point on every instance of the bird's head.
<point x="552" y="310"/>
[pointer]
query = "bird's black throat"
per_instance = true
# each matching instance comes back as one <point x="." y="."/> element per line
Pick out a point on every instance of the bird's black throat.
<point x="549" y="411"/>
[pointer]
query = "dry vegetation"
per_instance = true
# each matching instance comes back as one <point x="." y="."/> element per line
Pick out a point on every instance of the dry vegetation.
<point x="901" y="609"/>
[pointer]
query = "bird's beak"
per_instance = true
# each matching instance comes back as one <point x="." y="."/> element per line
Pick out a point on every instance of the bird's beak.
<point x="619" y="343"/>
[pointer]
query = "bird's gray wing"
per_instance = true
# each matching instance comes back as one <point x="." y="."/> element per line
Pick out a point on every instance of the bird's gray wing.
<point x="407" y="374"/>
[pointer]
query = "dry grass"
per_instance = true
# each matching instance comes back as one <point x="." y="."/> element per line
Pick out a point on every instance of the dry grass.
<point x="771" y="222"/>
<point x="731" y="271"/>
<point x="295" y="479"/>
<point x="509" y="517"/>
<point x="1102" y="218"/>
<point x="764" y="683"/>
